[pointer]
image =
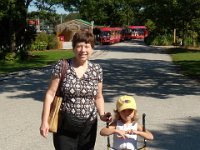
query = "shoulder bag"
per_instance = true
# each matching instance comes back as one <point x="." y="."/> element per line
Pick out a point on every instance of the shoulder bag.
<point x="55" y="105"/>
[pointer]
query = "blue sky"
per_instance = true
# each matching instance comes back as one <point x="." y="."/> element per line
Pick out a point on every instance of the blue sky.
<point x="59" y="10"/>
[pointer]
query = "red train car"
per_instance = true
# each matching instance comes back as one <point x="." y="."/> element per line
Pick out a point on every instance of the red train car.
<point x="108" y="35"/>
<point x="137" y="32"/>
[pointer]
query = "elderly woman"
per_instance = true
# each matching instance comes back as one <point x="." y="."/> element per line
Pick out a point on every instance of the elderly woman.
<point x="81" y="88"/>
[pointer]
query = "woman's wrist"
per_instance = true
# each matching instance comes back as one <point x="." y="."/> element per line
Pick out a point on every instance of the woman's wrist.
<point x="101" y="114"/>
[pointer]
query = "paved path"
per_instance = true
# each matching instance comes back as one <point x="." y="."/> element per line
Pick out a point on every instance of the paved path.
<point x="170" y="100"/>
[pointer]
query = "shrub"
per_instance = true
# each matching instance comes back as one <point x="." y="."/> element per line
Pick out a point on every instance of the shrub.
<point x="10" y="57"/>
<point x="153" y="39"/>
<point x="52" y="42"/>
<point x="39" y="45"/>
<point x="42" y="37"/>
<point x="188" y="41"/>
<point x="167" y="39"/>
<point x="44" y="41"/>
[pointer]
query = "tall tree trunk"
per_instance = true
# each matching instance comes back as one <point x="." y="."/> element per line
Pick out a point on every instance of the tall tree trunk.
<point x="12" y="35"/>
<point x="13" y="42"/>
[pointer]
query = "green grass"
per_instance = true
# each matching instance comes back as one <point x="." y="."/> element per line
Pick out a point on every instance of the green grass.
<point x="188" y="61"/>
<point x="37" y="59"/>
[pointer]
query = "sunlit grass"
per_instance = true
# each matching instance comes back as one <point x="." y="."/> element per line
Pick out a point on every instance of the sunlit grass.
<point x="188" y="61"/>
<point x="36" y="59"/>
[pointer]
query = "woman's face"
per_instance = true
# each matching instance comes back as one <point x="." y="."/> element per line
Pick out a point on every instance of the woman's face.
<point x="127" y="115"/>
<point x="83" y="51"/>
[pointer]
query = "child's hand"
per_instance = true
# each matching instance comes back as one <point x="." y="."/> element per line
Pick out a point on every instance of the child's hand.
<point x="121" y="134"/>
<point x="132" y="132"/>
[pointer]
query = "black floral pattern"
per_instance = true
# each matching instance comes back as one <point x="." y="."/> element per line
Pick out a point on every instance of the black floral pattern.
<point x="79" y="93"/>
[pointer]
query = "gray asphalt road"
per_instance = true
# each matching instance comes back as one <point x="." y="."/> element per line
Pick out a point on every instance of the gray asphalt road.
<point x="170" y="100"/>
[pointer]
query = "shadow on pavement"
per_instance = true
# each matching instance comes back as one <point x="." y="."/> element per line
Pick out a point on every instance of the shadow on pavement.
<point x="151" y="78"/>
<point x="32" y="85"/>
<point x="180" y="137"/>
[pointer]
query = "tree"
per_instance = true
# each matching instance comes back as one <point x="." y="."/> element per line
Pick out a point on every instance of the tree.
<point x="106" y="12"/>
<point x="13" y="24"/>
<point x="47" y="5"/>
<point x="173" y="14"/>
<point x="15" y="34"/>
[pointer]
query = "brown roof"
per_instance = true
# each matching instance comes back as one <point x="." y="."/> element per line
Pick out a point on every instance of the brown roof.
<point x="73" y="25"/>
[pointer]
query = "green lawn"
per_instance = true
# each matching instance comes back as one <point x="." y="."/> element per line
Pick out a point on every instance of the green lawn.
<point x="37" y="59"/>
<point x="188" y="60"/>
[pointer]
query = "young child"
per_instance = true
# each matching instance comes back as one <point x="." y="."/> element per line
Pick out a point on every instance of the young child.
<point x="125" y="127"/>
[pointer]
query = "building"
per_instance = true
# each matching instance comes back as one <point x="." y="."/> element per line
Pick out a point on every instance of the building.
<point x="66" y="31"/>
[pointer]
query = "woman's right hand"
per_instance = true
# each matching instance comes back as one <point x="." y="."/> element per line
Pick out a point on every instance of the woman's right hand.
<point x="107" y="117"/>
<point x="44" y="129"/>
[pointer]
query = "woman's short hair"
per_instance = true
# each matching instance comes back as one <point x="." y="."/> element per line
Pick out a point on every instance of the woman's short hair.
<point x="83" y="36"/>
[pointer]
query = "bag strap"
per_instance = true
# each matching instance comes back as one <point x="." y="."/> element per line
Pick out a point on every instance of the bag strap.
<point x="64" y="65"/>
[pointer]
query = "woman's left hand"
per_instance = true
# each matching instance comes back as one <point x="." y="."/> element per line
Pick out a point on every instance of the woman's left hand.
<point x="107" y="117"/>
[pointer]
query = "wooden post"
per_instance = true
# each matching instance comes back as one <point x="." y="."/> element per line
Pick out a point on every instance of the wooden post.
<point x="92" y="23"/>
<point x="174" y="36"/>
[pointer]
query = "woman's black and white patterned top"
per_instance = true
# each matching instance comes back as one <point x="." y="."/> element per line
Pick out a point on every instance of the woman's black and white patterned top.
<point x="79" y="93"/>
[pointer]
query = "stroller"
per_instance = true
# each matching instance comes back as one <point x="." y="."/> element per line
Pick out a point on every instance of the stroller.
<point x="141" y="144"/>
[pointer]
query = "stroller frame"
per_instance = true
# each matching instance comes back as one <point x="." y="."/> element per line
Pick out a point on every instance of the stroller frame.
<point x="144" y="140"/>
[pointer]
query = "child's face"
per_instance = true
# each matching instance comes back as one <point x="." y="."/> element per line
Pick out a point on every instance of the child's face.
<point x="127" y="115"/>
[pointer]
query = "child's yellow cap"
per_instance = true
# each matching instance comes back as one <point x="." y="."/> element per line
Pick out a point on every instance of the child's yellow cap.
<point x="126" y="102"/>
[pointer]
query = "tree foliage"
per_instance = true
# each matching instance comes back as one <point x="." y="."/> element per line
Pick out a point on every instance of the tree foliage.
<point x="182" y="15"/>
<point x="106" y="12"/>
<point x="161" y="17"/>
<point x="13" y="24"/>
<point x="15" y="35"/>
